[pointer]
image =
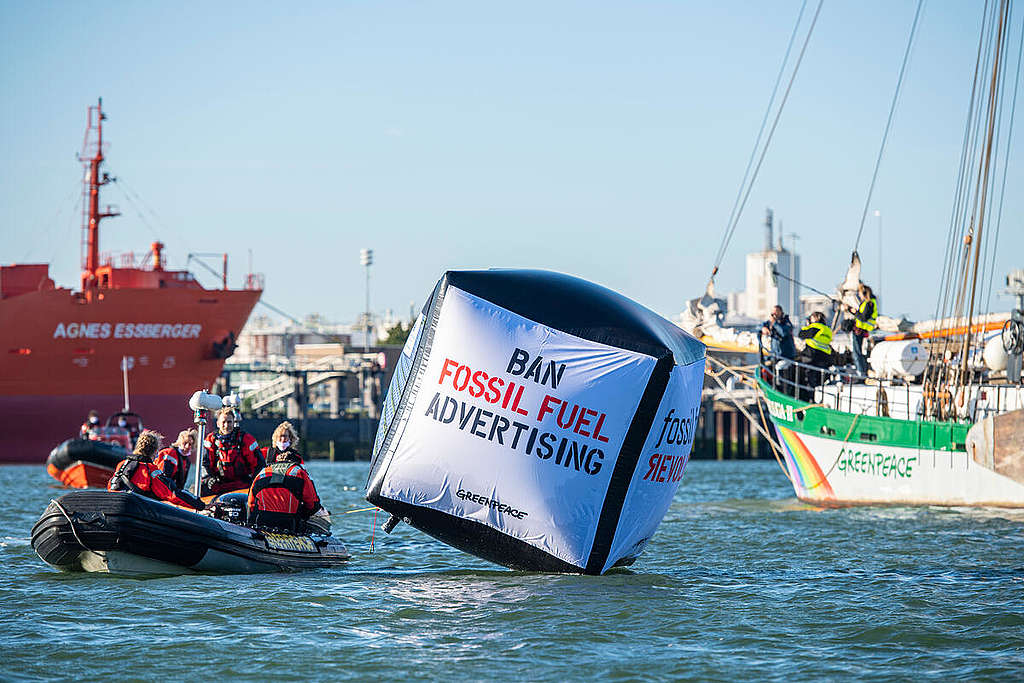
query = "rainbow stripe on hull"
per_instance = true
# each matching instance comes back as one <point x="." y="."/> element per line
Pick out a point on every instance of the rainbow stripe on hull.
<point x="808" y="479"/>
<point x="834" y="457"/>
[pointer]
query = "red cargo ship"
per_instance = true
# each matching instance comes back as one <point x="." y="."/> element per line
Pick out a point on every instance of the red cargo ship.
<point x="61" y="350"/>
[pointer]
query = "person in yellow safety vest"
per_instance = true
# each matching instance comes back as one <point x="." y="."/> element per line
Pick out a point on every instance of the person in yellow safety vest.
<point x="865" y="319"/>
<point x="817" y="336"/>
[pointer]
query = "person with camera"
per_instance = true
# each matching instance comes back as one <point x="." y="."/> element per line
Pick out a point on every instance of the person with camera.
<point x="779" y="330"/>
<point x="91" y="423"/>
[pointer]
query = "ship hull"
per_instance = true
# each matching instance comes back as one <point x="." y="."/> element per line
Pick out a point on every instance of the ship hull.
<point x="33" y="425"/>
<point x="61" y="356"/>
<point x="837" y="458"/>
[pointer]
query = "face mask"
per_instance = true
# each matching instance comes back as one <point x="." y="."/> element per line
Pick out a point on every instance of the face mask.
<point x="283" y="445"/>
<point x="122" y="423"/>
<point x="94" y="420"/>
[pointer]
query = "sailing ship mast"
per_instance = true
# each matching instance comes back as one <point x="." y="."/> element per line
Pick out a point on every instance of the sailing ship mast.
<point x="950" y="374"/>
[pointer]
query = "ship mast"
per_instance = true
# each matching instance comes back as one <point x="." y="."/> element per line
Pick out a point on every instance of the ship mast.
<point x="93" y="182"/>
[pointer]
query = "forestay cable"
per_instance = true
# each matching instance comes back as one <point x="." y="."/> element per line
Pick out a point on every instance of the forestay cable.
<point x="764" y="120"/>
<point x="735" y="217"/>
<point x="888" y="123"/>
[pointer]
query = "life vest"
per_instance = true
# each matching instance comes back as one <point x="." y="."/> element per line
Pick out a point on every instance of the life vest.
<point x="271" y="454"/>
<point x="282" y="496"/>
<point x="174" y="464"/>
<point x="132" y="474"/>
<point x="146" y="479"/>
<point x="822" y="339"/>
<point x="872" y="322"/>
<point x="236" y="453"/>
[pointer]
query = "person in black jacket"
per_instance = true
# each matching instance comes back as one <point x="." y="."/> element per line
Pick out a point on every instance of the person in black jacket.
<point x="283" y="442"/>
<point x="817" y="336"/>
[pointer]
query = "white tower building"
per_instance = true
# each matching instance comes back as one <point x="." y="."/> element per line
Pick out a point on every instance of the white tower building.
<point x="764" y="291"/>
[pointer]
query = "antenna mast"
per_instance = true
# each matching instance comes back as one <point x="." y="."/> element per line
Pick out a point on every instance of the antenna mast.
<point x="92" y="157"/>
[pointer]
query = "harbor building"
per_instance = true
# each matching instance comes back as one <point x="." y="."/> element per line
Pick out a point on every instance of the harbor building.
<point x="764" y="290"/>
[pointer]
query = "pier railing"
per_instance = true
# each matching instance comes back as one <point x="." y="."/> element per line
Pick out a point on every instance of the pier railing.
<point x="316" y="372"/>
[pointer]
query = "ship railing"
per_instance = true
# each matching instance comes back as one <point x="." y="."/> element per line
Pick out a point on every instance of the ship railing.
<point x="254" y="281"/>
<point x="840" y="389"/>
<point x="898" y="397"/>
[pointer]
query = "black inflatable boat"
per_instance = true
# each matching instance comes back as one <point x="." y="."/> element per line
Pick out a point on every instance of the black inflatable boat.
<point x="128" y="534"/>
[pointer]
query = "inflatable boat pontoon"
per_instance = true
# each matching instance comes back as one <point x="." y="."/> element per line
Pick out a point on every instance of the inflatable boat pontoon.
<point x="128" y="534"/>
<point x="84" y="463"/>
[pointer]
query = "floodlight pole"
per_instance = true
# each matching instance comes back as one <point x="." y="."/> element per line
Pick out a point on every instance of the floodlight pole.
<point x="366" y="259"/>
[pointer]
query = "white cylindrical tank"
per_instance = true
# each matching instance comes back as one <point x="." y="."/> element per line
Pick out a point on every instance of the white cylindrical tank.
<point x="994" y="354"/>
<point x="899" y="358"/>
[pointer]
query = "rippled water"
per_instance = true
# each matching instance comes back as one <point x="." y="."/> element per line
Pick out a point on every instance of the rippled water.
<point x="741" y="581"/>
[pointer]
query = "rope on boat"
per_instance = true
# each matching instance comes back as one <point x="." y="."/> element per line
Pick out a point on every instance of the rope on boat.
<point x="750" y="418"/>
<point x="888" y="123"/>
<point x="760" y="133"/>
<point x="745" y="191"/>
<point x="776" y="449"/>
<point x="349" y="512"/>
<point x="72" y="525"/>
<point x="373" y="528"/>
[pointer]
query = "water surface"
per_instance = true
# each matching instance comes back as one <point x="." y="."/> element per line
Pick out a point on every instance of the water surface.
<point x="741" y="581"/>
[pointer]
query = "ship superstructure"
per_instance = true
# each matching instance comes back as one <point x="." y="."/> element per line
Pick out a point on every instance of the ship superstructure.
<point x="61" y="350"/>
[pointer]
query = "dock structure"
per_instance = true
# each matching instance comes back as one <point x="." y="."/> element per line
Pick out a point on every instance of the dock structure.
<point x="333" y="399"/>
<point x="724" y="432"/>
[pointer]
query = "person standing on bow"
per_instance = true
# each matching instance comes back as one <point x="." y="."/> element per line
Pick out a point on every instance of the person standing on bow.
<point x="139" y="474"/>
<point x="865" y="319"/>
<point x="233" y="457"/>
<point x="283" y="442"/>
<point x="174" y="461"/>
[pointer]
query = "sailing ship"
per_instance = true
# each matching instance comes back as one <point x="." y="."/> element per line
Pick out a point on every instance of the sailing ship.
<point x="61" y="349"/>
<point x="949" y="431"/>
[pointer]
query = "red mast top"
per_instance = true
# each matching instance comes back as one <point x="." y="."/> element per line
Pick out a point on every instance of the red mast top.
<point x="92" y="154"/>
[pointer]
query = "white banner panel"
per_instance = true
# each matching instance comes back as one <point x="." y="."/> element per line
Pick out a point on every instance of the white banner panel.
<point x="517" y="426"/>
<point x="661" y="465"/>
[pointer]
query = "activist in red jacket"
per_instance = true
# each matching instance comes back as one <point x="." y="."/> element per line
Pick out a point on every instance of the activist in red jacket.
<point x="232" y="456"/>
<point x="283" y="496"/>
<point x="174" y="460"/>
<point x="138" y="473"/>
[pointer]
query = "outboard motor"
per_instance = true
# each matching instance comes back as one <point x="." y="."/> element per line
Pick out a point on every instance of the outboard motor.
<point x="229" y="507"/>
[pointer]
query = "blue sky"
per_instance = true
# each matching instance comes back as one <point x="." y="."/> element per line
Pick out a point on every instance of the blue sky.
<point x="602" y="139"/>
